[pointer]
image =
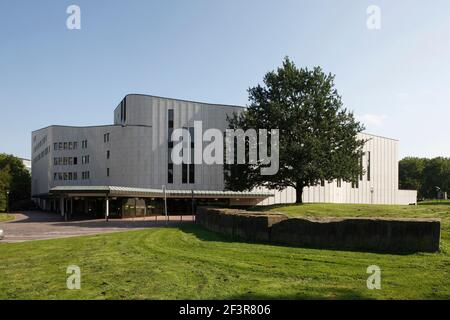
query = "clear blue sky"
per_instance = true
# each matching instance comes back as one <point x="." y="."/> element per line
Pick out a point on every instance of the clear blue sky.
<point x="397" y="79"/>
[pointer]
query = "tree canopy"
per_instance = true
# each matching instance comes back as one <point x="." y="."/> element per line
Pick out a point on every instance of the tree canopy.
<point x="425" y="175"/>
<point x="15" y="178"/>
<point x="317" y="135"/>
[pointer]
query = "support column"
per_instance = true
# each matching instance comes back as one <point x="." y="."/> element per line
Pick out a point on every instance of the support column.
<point x="107" y="209"/>
<point x="71" y="208"/>
<point x="62" y="206"/>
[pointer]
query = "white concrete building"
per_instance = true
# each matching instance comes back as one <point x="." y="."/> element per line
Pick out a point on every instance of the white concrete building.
<point x="128" y="163"/>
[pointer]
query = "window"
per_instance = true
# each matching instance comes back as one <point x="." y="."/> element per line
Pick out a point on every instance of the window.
<point x="368" y="165"/>
<point x="70" y="145"/>
<point x="106" y="137"/>
<point x="75" y="160"/>
<point x="107" y="172"/>
<point x="184" y="173"/>
<point x="339" y="183"/>
<point x="125" y="109"/>
<point x="322" y="182"/>
<point x="191" y="133"/>
<point x="355" y="184"/>
<point x="192" y="173"/>
<point x="84" y="159"/>
<point x="362" y="167"/>
<point x="55" y="146"/>
<point x="85" y="175"/>
<point x="108" y="154"/>
<point x="75" y="145"/>
<point x="170" y="173"/>
<point x="170" y="118"/>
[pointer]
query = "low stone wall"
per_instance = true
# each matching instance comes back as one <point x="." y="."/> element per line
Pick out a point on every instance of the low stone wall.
<point x="239" y="224"/>
<point x="361" y="234"/>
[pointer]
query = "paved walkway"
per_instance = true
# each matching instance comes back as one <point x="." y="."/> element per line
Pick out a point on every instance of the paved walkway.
<point x="37" y="225"/>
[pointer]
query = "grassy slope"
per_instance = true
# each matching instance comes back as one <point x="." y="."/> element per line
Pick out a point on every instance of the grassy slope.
<point x="5" y="217"/>
<point x="192" y="263"/>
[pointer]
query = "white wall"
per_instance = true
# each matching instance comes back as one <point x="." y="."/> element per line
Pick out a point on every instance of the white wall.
<point x="139" y="155"/>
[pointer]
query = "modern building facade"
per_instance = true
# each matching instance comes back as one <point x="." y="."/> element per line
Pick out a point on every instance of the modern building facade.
<point x="125" y="168"/>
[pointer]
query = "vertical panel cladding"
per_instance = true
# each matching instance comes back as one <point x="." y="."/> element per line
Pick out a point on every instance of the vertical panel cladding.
<point x="144" y="154"/>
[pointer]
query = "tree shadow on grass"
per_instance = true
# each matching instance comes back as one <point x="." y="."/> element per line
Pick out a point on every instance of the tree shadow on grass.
<point x="329" y="293"/>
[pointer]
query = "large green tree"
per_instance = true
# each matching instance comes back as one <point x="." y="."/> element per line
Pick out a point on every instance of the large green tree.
<point x="15" y="178"/>
<point x="411" y="174"/>
<point x="425" y="175"/>
<point x="317" y="135"/>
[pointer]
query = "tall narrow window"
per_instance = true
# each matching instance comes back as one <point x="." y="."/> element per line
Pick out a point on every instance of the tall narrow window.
<point x="107" y="172"/>
<point x="339" y="183"/>
<point x="170" y="173"/>
<point x="368" y="165"/>
<point x="184" y="173"/>
<point x="125" y="109"/>
<point x="192" y="173"/>
<point x="322" y="182"/>
<point x="170" y="117"/>
<point x="108" y="154"/>
<point x="361" y="161"/>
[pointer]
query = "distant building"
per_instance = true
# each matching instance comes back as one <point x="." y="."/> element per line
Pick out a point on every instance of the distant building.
<point x="27" y="164"/>
<point x="124" y="166"/>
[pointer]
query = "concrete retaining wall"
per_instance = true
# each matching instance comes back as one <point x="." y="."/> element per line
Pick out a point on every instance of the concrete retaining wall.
<point x="361" y="234"/>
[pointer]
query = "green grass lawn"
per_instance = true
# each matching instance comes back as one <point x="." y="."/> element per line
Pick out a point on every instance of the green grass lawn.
<point x="192" y="263"/>
<point x="5" y="217"/>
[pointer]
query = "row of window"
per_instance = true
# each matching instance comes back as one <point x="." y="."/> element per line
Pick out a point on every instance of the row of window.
<point x="71" y="145"/>
<point x="69" y="161"/>
<point x="60" y="176"/>
<point x="41" y="155"/>
<point x="42" y="142"/>
<point x="70" y="176"/>
<point x="65" y="161"/>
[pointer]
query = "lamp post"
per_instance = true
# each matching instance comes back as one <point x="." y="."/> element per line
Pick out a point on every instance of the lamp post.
<point x="438" y="196"/>
<point x="165" y="204"/>
<point x="7" y="201"/>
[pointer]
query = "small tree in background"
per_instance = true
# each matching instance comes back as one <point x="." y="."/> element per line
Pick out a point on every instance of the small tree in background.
<point x="15" y="178"/>
<point x="318" y="136"/>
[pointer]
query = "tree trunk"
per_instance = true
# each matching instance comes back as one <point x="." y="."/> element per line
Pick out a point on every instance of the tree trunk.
<point x="299" y="193"/>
